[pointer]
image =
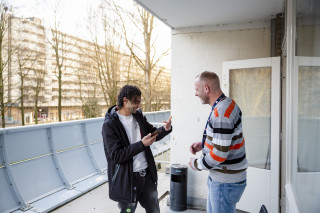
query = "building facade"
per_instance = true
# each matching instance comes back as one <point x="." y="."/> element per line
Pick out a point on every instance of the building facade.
<point x="87" y="75"/>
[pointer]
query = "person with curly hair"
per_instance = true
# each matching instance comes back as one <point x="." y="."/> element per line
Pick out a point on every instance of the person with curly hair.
<point x="127" y="136"/>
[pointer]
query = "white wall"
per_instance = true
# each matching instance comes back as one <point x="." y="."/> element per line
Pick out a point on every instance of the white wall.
<point x="193" y="53"/>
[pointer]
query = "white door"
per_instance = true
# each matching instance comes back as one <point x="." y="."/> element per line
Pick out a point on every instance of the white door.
<point x="306" y="142"/>
<point x="255" y="86"/>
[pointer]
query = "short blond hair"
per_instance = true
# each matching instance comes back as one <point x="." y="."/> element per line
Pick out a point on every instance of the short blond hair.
<point x="211" y="79"/>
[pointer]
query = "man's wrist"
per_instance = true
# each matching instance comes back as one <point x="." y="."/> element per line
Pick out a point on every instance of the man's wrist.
<point x="195" y="163"/>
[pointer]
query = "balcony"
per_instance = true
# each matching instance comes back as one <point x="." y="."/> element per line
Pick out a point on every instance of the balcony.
<point x="45" y="166"/>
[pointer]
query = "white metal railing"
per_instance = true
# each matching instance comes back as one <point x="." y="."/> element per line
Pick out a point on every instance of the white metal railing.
<point x="44" y="166"/>
<point x="160" y="149"/>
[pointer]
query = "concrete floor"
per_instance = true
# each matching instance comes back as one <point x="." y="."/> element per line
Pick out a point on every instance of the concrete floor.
<point x="97" y="200"/>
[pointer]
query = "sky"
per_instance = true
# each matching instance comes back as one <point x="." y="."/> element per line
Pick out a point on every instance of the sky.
<point x="73" y="14"/>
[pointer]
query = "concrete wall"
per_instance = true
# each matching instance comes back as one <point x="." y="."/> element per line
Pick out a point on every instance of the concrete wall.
<point x="193" y="53"/>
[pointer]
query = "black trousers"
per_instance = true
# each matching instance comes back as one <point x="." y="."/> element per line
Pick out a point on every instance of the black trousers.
<point x="145" y="192"/>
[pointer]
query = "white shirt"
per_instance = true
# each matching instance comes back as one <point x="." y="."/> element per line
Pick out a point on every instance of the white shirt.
<point x="132" y="128"/>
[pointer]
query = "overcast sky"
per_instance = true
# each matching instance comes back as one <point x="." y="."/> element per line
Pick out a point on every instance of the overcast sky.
<point x="73" y="14"/>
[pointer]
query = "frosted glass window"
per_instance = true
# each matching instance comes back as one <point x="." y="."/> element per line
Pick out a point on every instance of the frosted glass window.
<point x="308" y="119"/>
<point x="251" y="90"/>
<point x="306" y="165"/>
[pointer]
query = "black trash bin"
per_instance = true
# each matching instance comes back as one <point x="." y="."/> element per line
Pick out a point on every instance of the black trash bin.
<point x="178" y="187"/>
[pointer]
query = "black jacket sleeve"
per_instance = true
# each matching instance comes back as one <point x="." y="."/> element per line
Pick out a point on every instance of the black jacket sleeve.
<point x="163" y="133"/>
<point x="151" y="129"/>
<point x="115" y="148"/>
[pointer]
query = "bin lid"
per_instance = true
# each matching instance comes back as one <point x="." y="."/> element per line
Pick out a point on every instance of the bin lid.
<point x="179" y="166"/>
<point x="179" y="169"/>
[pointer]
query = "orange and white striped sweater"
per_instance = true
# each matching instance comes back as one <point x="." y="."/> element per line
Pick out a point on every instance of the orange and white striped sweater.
<point x="224" y="151"/>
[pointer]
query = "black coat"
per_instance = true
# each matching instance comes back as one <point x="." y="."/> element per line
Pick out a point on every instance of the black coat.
<point x="119" y="153"/>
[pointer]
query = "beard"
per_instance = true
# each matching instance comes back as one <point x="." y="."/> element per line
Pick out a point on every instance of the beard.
<point x="132" y="108"/>
<point x="204" y="99"/>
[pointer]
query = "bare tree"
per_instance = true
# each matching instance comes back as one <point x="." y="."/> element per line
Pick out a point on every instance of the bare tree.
<point x="57" y="42"/>
<point x="31" y="70"/>
<point x="161" y="93"/>
<point x="26" y="59"/>
<point x="5" y="56"/>
<point x="88" y="88"/>
<point x="107" y="65"/>
<point x="145" y="56"/>
<point x="37" y="89"/>
<point x="90" y="106"/>
<point x="106" y="56"/>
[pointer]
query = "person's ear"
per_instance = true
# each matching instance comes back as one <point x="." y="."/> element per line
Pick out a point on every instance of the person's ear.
<point x="125" y="100"/>
<point x="206" y="88"/>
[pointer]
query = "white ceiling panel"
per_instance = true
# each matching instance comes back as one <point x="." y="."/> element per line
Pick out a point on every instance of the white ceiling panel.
<point x="204" y="13"/>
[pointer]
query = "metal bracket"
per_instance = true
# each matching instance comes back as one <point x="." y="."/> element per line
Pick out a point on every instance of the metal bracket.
<point x="56" y="161"/>
<point x="89" y="150"/>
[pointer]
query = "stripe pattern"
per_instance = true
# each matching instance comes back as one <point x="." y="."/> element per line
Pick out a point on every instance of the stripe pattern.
<point x="224" y="147"/>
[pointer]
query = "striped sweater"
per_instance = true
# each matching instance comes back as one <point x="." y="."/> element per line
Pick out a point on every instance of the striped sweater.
<point x="224" y="148"/>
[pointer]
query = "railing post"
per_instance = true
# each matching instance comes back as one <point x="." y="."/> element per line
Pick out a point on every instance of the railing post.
<point x="10" y="177"/>
<point x="56" y="161"/>
<point x="92" y="158"/>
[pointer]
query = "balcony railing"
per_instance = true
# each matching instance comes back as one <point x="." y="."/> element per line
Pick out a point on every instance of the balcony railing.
<point x="45" y="166"/>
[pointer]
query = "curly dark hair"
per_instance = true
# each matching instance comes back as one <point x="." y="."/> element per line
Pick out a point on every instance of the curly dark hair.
<point x="131" y="92"/>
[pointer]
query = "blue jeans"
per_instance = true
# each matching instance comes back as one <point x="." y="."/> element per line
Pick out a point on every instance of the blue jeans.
<point x="223" y="197"/>
<point x="145" y="192"/>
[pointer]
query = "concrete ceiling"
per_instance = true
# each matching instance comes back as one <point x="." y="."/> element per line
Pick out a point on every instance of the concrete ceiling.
<point x="203" y="13"/>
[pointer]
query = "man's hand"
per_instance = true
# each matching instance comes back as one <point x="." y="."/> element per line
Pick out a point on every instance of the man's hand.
<point x="148" y="140"/>
<point x="167" y="125"/>
<point x="191" y="164"/>
<point x="195" y="147"/>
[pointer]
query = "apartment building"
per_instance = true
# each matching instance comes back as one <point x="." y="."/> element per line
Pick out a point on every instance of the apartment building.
<point x="34" y="73"/>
